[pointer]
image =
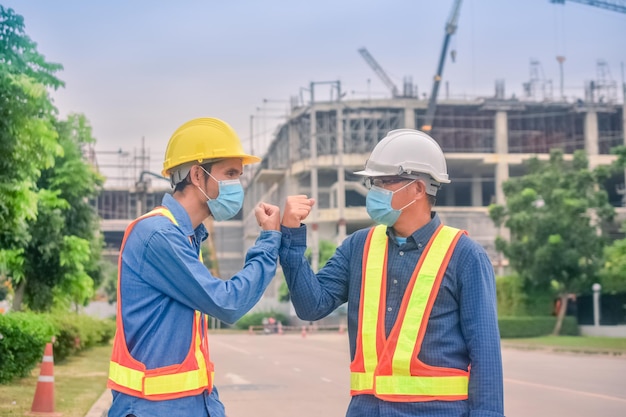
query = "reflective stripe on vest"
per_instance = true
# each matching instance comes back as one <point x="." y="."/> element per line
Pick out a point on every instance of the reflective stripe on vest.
<point x="382" y="367"/>
<point x="191" y="377"/>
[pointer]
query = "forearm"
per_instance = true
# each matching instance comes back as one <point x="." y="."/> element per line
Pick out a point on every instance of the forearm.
<point x="236" y="296"/>
<point x="179" y="274"/>
<point x="314" y="296"/>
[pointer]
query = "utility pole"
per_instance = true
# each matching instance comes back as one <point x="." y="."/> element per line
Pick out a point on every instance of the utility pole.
<point x="561" y="59"/>
<point x="341" y="172"/>
<point x="315" y="249"/>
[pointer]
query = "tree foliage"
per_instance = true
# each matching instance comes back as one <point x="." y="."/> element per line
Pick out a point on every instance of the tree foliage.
<point x="49" y="243"/>
<point x="613" y="272"/>
<point x="27" y="137"/>
<point x="558" y="215"/>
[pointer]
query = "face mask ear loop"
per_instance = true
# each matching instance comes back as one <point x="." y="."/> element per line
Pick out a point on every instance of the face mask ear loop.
<point x="404" y="186"/>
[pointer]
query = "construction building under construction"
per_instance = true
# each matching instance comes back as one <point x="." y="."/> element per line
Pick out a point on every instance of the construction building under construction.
<point x="486" y="141"/>
<point x="321" y="143"/>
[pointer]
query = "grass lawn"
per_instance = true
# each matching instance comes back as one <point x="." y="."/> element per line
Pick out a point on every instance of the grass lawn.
<point x="583" y="344"/>
<point x="78" y="383"/>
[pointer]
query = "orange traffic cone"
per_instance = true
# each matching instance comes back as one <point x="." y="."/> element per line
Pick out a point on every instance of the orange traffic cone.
<point x="43" y="403"/>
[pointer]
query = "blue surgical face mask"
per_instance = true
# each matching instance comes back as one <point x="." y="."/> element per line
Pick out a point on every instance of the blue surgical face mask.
<point x="378" y="205"/>
<point x="229" y="199"/>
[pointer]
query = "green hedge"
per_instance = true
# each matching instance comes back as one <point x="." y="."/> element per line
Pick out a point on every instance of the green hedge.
<point x="23" y="337"/>
<point x="534" y="326"/>
<point x="77" y="332"/>
<point x="256" y="319"/>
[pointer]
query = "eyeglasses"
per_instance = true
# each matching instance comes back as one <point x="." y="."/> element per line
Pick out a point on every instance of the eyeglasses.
<point x="383" y="182"/>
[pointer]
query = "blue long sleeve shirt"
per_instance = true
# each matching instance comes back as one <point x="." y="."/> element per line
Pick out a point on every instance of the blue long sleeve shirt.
<point x="462" y="328"/>
<point x="162" y="283"/>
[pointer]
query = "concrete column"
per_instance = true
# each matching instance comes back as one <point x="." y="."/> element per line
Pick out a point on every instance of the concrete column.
<point x="591" y="133"/>
<point x="477" y="191"/>
<point x="501" y="145"/>
<point x="409" y="117"/>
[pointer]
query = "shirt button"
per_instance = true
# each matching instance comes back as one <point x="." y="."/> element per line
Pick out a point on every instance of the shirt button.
<point x="389" y="309"/>
<point x="401" y="253"/>
<point x="395" y="281"/>
<point x="419" y="245"/>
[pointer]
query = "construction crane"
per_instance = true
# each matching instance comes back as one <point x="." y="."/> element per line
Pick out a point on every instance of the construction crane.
<point x="615" y="5"/>
<point x="379" y="71"/>
<point x="451" y="26"/>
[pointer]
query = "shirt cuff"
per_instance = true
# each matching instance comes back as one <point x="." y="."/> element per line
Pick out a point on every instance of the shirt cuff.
<point x="484" y="413"/>
<point x="293" y="236"/>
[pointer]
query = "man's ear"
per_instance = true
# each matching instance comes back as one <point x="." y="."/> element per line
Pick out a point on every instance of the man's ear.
<point x="421" y="188"/>
<point x="196" y="175"/>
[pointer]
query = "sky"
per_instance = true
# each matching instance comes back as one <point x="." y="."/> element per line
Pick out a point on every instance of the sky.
<point x="139" y="69"/>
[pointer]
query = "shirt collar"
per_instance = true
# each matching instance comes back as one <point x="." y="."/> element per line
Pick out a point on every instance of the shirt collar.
<point x="182" y="218"/>
<point x="422" y="235"/>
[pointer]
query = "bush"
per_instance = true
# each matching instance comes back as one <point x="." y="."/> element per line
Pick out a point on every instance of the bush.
<point x="256" y="319"/>
<point x="515" y="300"/>
<point x="23" y="337"/>
<point x="77" y="332"/>
<point x="534" y="326"/>
<point x="511" y="296"/>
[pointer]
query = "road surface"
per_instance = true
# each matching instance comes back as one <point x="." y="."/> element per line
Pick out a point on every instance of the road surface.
<point x="286" y="375"/>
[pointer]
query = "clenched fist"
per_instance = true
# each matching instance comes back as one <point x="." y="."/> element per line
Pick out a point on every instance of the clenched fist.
<point x="268" y="216"/>
<point x="297" y="208"/>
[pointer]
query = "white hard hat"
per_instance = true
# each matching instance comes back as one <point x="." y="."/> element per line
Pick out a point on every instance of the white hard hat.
<point x="407" y="152"/>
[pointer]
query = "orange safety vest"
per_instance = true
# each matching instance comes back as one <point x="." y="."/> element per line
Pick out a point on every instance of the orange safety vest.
<point x="389" y="368"/>
<point x="128" y="375"/>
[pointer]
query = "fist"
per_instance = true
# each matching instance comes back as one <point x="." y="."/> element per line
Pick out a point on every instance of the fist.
<point x="297" y="208"/>
<point x="268" y="216"/>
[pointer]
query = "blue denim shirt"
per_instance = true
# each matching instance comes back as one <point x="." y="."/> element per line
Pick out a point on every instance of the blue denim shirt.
<point x="462" y="328"/>
<point x="162" y="283"/>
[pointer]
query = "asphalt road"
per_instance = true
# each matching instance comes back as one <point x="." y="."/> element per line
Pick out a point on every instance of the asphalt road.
<point x="286" y="375"/>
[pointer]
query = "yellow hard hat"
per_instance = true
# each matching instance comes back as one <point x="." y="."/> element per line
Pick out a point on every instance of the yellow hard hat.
<point x="201" y="140"/>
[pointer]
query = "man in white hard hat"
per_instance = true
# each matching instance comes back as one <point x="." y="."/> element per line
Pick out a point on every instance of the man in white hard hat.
<point x="422" y="319"/>
<point x="160" y="364"/>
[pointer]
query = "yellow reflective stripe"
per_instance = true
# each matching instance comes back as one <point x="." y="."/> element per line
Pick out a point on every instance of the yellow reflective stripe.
<point x="371" y="299"/>
<point x="422" y="385"/>
<point x="165" y="212"/>
<point x="183" y="381"/>
<point x="198" y="350"/>
<point x="418" y="300"/>
<point x="125" y="377"/>
<point x="360" y="381"/>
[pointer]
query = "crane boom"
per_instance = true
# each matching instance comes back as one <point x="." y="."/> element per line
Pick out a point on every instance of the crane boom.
<point x="451" y="26"/>
<point x="614" y="5"/>
<point x="379" y="71"/>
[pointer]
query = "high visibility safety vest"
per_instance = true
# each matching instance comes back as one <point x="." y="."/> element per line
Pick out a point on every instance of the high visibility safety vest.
<point x="129" y="376"/>
<point x="388" y="367"/>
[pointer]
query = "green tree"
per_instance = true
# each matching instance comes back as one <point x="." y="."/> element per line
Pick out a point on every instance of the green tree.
<point x="613" y="272"/>
<point x="28" y="140"/>
<point x="50" y="246"/>
<point x="557" y="215"/>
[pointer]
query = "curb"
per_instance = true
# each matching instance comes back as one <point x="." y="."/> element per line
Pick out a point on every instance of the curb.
<point x="565" y="349"/>
<point x="101" y="406"/>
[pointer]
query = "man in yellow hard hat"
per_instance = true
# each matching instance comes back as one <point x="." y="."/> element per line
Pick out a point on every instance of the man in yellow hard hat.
<point x="160" y="365"/>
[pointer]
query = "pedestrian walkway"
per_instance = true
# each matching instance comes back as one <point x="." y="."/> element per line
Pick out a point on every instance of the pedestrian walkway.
<point x="101" y="406"/>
